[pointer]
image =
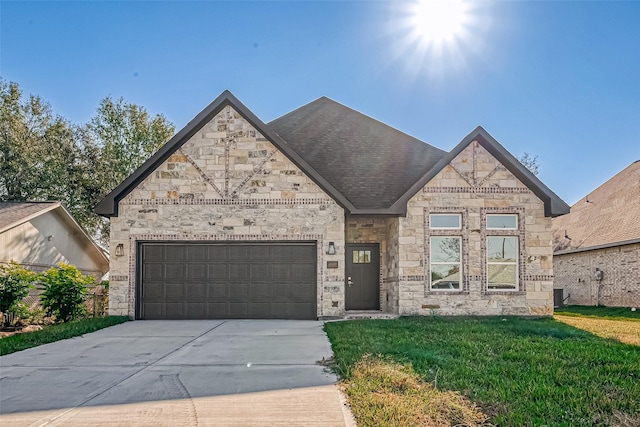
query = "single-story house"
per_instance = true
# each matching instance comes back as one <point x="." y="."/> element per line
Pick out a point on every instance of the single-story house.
<point x="597" y="245"/>
<point x="39" y="235"/>
<point x="325" y="211"/>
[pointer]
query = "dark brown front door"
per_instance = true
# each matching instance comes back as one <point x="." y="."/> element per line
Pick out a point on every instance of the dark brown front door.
<point x="363" y="276"/>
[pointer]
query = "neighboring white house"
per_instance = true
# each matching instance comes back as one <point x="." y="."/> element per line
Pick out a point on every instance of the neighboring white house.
<point x="39" y="235"/>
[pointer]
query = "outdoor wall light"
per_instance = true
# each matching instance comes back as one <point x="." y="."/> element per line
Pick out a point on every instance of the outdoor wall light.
<point x="119" y="249"/>
<point x="50" y="237"/>
<point x="331" y="250"/>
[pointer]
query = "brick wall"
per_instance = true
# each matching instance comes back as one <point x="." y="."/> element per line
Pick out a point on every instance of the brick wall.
<point x="227" y="183"/>
<point x="620" y="284"/>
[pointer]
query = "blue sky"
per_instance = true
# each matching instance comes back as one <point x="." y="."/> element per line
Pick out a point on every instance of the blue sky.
<point x="560" y="80"/>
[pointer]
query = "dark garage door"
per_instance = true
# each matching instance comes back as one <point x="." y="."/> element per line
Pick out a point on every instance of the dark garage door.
<point x="227" y="281"/>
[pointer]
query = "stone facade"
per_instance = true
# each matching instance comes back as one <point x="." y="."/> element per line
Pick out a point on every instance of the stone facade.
<point x="620" y="283"/>
<point x="475" y="184"/>
<point x="227" y="183"/>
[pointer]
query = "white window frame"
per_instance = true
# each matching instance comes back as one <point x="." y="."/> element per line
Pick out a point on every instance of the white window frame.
<point x="459" y="216"/>
<point x="432" y="263"/>
<point x="515" y="262"/>
<point x="515" y="216"/>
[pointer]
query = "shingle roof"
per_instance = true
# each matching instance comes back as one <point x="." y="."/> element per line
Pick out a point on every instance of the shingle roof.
<point x="609" y="214"/>
<point x="368" y="162"/>
<point x="15" y="213"/>
<point x="366" y="166"/>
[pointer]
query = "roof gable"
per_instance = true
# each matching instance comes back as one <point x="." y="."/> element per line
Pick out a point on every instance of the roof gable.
<point x="608" y="215"/>
<point x="553" y="205"/>
<point x="369" y="162"/>
<point x="109" y="205"/>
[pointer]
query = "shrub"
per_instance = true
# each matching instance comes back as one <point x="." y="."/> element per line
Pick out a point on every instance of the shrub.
<point x="15" y="281"/>
<point x="65" y="289"/>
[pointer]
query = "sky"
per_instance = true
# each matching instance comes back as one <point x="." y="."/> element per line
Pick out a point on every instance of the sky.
<point x="556" y="79"/>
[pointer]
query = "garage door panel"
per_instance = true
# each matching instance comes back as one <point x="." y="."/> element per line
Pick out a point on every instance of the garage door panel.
<point x="217" y="291"/>
<point x="153" y="271"/>
<point x="260" y="271"/>
<point x="153" y="310"/>
<point x="197" y="253"/>
<point x="175" y="252"/>
<point x="260" y="253"/>
<point x="175" y="271"/>
<point x="260" y="292"/>
<point x="153" y="253"/>
<point x="218" y="271"/>
<point x="196" y="292"/>
<point x="174" y="292"/>
<point x="239" y="291"/>
<point x="217" y="252"/>
<point x="238" y="310"/>
<point x="259" y="310"/>
<point x="196" y="271"/>
<point x="238" y="271"/>
<point x="174" y="310"/>
<point x="153" y="292"/>
<point x="196" y="310"/>
<point x="214" y="280"/>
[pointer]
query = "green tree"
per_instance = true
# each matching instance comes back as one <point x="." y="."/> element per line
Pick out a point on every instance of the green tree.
<point x="119" y="138"/>
<point x="65" y="289"/>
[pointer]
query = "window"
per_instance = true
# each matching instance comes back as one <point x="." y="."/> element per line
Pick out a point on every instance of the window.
<point x="361" y="257"/>
<point x="502" y="263"/>
<point x="444" y="221"/>
<point x="502" y="222"/>
<point x="445" y="268"/>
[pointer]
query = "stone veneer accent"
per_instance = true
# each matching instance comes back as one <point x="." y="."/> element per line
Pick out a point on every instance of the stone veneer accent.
<point x="227" y="183"/>
<point x="475" y="184"/>
<point x="620" y="284"/>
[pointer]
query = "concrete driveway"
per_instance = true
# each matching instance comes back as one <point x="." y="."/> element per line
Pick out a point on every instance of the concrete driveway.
<point x="176" y="373"/>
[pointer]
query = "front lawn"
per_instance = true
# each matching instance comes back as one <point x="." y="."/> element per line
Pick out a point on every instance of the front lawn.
<point x="521" y="372"/>
<point x="57" y="332"/>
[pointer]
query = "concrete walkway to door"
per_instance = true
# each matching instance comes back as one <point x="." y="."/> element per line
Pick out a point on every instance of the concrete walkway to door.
<point x="176" y="373"/>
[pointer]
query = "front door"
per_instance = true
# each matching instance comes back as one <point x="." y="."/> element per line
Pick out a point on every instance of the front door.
<point x="363" y="276"/>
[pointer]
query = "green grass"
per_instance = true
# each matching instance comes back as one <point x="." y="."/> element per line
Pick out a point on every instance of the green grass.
<point x="56" y="332"/>
<point x="521" y="372"/>
<point x="599" y="311"/>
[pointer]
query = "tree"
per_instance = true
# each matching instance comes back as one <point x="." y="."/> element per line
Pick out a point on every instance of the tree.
<point x="119" y="138"/>
<point x="530" y="162"/>
<point x="37" y="148"/>
<point x="44" y="157"/>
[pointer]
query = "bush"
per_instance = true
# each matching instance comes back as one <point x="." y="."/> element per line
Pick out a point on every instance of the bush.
<point x="15" y="281"/>
<point x="65" y="289"/>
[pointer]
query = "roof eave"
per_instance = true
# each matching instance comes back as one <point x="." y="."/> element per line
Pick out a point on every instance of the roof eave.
<point x="108" y="206"/>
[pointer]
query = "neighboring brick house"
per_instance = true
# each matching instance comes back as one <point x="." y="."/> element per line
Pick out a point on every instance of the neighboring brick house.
<point x="597" y="245"/>
<point x="322" y="211"/>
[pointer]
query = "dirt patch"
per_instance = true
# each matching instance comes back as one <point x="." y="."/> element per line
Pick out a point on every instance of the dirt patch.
<point x="626" y="331"/>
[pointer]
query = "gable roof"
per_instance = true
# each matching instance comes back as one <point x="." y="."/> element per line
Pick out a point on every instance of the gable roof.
<point x="109" y="205"/>
<point x="608" y="216"/>
<point x="366" y="166"/>
<point x="367" y="161"/>
<point x="553" y="205"/>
